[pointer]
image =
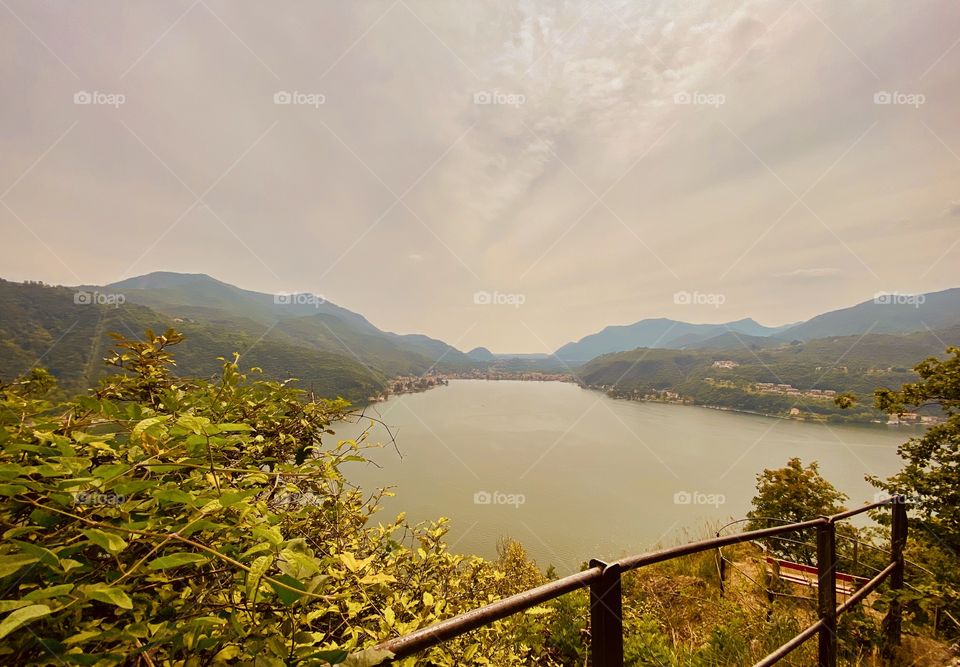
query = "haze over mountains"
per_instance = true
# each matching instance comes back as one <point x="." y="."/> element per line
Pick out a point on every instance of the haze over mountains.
<point x="337" y="351"/>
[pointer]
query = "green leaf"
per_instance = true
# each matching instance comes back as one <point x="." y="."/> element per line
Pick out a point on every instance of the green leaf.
<point x="145" y="424"/>
<point x="287" y="596"/>
<point x="10" y="605"/>
<point x="368" y="657"/>
<point x="257" y="569"/>
<point x="334" y="657"/>
<point x="43" y="554"/>
<point x="176" y="560"/>
<point x="11" y="564"/>
<point x="352" y="563"/>
<point x="109" y="471"/>
<point x="109" y="594"/>
<point x="225" y="428"/>
<point x="22" y="616"/>
<point x="197" y="425"/>
<point x="52" y="592"/>
<point x="228" y="499"/>
<point x="110" y="543"/>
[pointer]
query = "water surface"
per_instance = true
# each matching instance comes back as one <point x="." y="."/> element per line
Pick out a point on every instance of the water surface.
<point x="574" y="474"/>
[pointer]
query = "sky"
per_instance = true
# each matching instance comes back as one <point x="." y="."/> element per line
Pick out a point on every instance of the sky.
<point x="508" y="174"/>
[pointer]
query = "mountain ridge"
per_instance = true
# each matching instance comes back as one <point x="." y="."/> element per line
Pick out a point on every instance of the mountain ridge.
<point x="893" y="314"/>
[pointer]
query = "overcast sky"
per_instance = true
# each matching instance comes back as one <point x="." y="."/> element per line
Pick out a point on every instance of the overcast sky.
<point x="576" y="164"/>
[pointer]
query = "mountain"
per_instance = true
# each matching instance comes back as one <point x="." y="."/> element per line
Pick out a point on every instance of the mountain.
<point x="884" y="314"/>
<point x="660" y="332"/>
<point x="297" y="319"/>
<point x="891" y="314"/>
<point x="481" y="354"/>
<point x="50" y="327"/>
<point x="330" y="349"/>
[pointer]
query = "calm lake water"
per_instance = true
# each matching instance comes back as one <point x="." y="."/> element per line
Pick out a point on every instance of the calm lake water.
<point x="573" y="474"/>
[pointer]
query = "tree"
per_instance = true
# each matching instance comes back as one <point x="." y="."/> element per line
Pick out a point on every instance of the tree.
<point x="789" y="495"/>
<point x="930" y="483"/>
<point x="930" y="478"/>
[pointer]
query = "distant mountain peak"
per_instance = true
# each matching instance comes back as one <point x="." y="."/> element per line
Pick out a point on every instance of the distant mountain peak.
<point x="481" y="354"/>
<point x="165" y="279"/>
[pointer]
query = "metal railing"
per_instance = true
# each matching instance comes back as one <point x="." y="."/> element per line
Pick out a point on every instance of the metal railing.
<point x="606" y="603"/>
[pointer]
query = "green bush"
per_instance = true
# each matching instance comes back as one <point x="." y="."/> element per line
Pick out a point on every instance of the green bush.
<point x="175" y="522"/>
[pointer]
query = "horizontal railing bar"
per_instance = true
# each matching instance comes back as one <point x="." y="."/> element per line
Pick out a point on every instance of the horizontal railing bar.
<point x="432" y="635"/>
<point x="867" y="588"/>
<point x="786" y="649"/>
<point x="640" y="560"/>
<point x="866" y="508"/>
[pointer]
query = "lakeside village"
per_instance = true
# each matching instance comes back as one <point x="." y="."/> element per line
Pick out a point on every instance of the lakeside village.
<point x="779" y="389"/>
<point x="412" y="384"/>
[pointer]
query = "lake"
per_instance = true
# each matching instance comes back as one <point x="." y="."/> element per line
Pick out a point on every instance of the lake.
<point x="574" y="474"/>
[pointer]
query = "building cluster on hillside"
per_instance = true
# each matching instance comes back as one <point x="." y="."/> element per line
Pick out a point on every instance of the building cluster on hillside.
<point x="409" y="384"/>
<point x="914" y="418"/>
<point x="790" y="390"/>
<point x="725" y="364"/>
<point x="528" y="376"/>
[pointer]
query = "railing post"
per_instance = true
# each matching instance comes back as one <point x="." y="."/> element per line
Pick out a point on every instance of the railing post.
<point x="606" y="617"/>
<point x="898" y="541"/>
<point x="827" y="593"/>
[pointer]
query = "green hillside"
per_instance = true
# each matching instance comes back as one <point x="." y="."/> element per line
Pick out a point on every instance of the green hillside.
<point x="297" y="319"/>
<point x="43" y="326"/>
<point x="844" y="363"/>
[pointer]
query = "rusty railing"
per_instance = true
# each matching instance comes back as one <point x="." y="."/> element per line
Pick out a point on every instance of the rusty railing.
<point x="606" y="604"/>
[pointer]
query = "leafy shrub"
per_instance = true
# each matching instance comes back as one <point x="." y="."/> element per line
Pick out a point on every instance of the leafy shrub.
<point x="174" y="522"/>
